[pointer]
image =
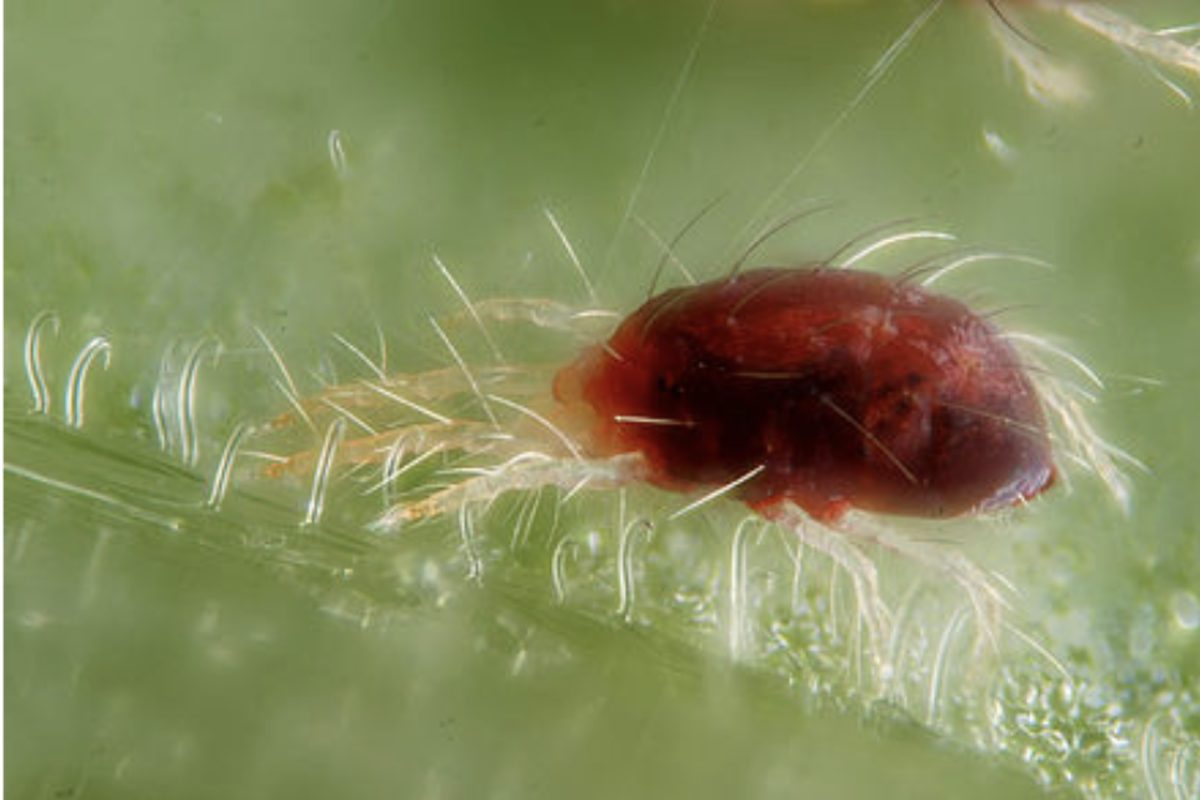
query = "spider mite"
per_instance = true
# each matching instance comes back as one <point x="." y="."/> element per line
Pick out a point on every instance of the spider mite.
<point x="808" y="393"/>
<point x="830" y="389"/>
<point x="825" y="399"/>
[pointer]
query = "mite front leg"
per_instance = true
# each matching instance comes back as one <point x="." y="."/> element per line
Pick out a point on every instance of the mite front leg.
<point x="525" y="471"/>
<point x="462" y="435"/>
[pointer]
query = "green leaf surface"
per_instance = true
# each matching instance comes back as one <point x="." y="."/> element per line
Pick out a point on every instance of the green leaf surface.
<point x="178" y="175"/>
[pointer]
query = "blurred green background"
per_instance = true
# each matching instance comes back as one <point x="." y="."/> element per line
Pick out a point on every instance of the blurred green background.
<point x="179" y="173"/>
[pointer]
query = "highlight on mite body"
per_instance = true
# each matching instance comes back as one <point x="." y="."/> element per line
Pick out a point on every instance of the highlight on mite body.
<point x="824" y="398"/>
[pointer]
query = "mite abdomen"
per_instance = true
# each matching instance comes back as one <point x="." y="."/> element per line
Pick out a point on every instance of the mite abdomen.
<point x="833" y="389"/>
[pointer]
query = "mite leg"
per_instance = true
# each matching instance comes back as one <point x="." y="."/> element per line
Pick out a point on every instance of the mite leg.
<point x="462" y="435"/>
<point x="440" y="384"/>
<point x="1127" y="34"/>
<point x="587" y="324"/>
<point x="410" y="393"/>
<point x="1046" y="81"/>
<point x="413" y="391"/>
<point x="846" y="554"/>
<point x="524" y="471"/>
<point x="987" y="602"/>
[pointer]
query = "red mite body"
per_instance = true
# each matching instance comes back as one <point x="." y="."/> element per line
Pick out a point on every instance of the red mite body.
<point x="832" y="389"/>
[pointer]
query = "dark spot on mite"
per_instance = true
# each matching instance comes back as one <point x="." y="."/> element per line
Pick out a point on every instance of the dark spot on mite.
<point x="671" y="387"/>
